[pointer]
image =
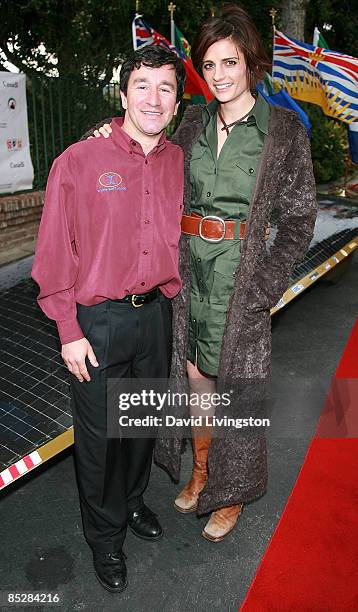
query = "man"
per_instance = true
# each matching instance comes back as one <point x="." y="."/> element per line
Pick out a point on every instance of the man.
<point x="107" y="266"/>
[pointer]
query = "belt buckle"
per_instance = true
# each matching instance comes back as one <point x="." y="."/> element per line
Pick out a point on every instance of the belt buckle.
<point x="214" y="218"/>
<point x="133" y="302"/>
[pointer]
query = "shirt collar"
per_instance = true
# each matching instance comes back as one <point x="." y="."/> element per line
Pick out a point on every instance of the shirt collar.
<point x="260" y="113"/>
<point x="128" y="143"/>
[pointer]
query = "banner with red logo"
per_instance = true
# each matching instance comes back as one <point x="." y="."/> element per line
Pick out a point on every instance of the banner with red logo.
<point x="16" y="170"/>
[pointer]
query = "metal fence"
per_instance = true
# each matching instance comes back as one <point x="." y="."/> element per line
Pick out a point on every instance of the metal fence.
<point x="60" y="110"/>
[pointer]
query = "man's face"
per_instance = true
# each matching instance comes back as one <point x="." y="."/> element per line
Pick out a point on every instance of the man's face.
<point x="150" y="102"/>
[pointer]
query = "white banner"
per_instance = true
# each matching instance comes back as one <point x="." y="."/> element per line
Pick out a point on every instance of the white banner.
<point x="16" y="170"/>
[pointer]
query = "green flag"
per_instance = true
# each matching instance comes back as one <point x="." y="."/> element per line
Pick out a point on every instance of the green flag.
<point x="319" y="40"/>
<point x="181" y="42"/>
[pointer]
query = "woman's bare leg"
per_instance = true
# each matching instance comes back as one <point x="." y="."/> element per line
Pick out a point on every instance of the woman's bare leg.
<point x="201" y="387"/>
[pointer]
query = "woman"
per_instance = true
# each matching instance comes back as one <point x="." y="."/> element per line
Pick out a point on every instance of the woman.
<point x="243" y="158"/>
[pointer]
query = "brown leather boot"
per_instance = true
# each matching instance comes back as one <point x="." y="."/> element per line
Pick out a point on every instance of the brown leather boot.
<point x="187" y="500"/>
<point x="221" y="523"/>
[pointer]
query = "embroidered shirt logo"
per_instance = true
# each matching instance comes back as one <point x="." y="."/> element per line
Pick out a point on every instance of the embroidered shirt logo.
<point x="110" y="181"/>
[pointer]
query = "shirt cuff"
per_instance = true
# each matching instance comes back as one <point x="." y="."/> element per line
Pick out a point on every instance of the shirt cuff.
<point x="69" y="331"/>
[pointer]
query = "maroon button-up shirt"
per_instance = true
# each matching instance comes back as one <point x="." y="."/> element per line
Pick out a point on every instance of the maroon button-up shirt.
<point x="110" y="226"/>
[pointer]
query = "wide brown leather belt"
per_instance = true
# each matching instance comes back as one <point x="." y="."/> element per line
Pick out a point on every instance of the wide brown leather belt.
<point x="211" y="228"/>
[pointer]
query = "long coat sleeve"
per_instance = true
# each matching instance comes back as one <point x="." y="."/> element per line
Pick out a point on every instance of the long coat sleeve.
<point x="296" y="206"/>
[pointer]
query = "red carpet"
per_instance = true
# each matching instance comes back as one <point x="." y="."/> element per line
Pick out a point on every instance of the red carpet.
<point x="311" y="563"/>
<point x="348" y="366"/>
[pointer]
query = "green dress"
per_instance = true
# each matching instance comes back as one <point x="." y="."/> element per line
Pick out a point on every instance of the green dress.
<point x="223" y="187"/>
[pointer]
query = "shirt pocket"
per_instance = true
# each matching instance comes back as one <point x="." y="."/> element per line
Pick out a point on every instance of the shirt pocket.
<point x="198" y="171"/>
<point x="244" y="175"/>
<point x="197" y="153"/>
<point x="196" y="162"/>
<point x="223" y="283"/>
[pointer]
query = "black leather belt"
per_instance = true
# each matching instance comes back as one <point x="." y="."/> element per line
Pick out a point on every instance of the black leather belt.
<point x="139" y="299"/>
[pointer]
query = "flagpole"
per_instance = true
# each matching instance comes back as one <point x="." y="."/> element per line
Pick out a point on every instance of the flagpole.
<point x="134" y="36"/>
<point x="171" y="9"/>
<point x="273" y="13"/>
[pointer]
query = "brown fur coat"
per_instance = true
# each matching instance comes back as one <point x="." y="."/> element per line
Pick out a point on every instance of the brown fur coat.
<point x="237" y="464"/>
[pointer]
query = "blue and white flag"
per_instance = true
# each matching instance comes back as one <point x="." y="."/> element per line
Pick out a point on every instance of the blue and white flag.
<point x="317" y="75"/>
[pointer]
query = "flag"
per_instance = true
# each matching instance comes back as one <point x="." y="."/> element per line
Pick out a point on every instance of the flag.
<point x="143" y="34"/>
<point x="319" y="40"/>
<point x="184" y="47"/>
<point x="181" y="42"/>
<point x="317" y="75"/>
<point x="353" y="141"/>
<point x="281" y="98"/>
<point x="352" y="128"/>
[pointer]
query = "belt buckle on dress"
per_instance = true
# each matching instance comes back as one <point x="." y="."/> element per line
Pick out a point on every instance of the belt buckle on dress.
<point x="214" y="218"/>
<point x="133" y="302"/>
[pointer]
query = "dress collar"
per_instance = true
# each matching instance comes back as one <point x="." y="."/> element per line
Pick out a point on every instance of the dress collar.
<point x="259" y="115"/>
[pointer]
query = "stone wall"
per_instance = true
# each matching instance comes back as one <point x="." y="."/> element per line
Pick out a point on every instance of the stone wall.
<point x="19" y="221"/>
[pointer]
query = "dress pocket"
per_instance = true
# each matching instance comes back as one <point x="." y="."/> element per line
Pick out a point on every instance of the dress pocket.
<point x="244" y="175"/>
<point x="196" y="162"/>
<point x="223" y="283"/>
<point x="199" y="170"/>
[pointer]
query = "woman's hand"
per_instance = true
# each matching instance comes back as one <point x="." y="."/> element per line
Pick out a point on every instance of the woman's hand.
<point x="267" y="231"/>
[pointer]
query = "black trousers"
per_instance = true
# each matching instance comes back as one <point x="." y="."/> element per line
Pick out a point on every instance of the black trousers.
<point x="113" y="473"/>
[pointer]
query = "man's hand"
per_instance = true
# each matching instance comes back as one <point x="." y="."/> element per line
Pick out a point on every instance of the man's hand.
<point x="105" y="130"/>
<point x="74" y="355"/>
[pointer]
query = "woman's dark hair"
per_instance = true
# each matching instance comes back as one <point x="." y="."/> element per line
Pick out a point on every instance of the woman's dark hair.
<point x="234" y="23"/>
<point x="154" y="57"/>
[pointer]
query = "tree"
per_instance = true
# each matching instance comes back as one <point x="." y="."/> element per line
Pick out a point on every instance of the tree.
<point x="293" y="17"/>
<point x="86" y="37"/>
<point x="341" y="19"/>
<point x="89" y="37"/>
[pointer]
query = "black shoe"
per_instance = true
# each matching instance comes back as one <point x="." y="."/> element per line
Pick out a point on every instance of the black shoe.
<point x="144" y="524"/>
<point x="110" y="570"/>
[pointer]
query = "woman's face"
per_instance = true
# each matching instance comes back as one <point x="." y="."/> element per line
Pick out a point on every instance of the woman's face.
<point x="224" y="70"/>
